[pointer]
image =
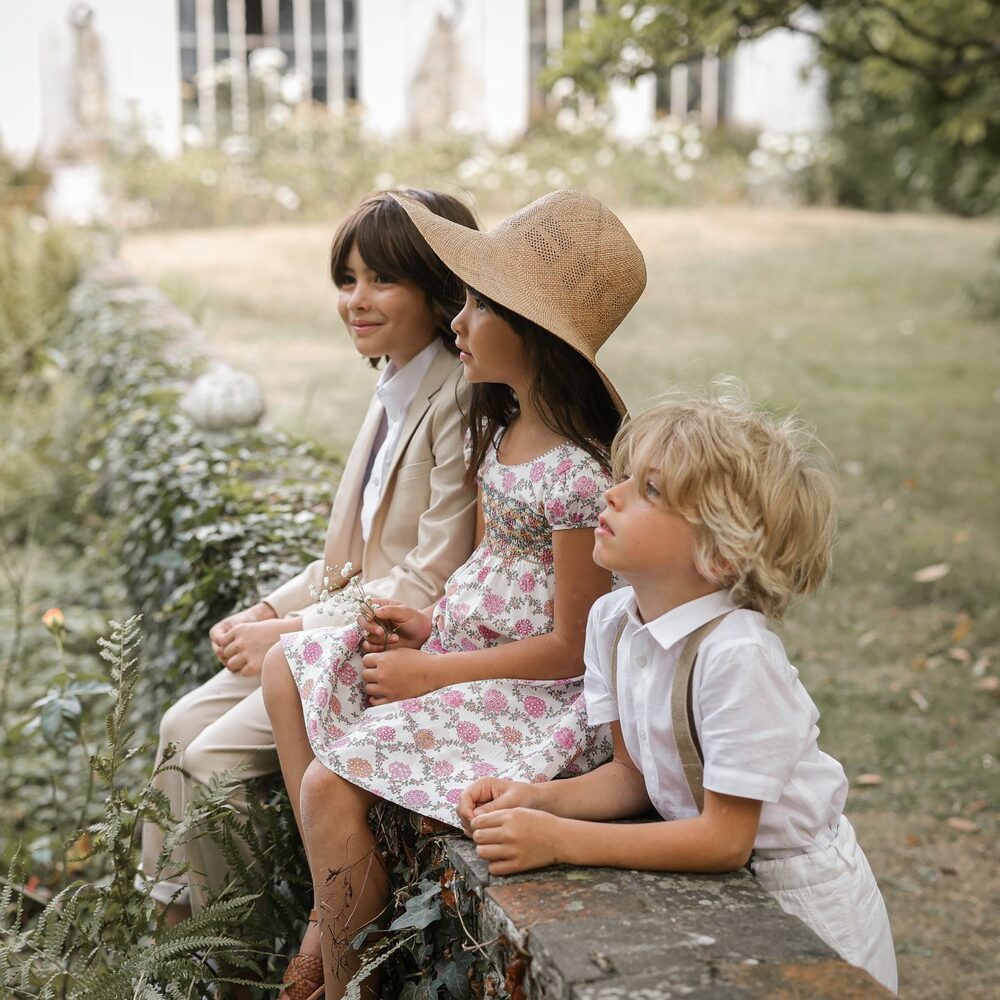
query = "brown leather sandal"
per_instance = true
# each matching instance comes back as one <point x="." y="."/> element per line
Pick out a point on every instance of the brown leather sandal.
<point x="303" y="979"/>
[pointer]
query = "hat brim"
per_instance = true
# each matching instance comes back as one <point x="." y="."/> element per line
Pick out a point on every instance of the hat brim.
<point x="470" y="255"/>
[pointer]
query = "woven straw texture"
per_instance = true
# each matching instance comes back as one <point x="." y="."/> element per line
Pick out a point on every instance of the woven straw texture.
<point x="565" y="262"/>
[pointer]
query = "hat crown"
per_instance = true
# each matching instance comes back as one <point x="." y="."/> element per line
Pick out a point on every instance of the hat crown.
<point x="574" y="252"/>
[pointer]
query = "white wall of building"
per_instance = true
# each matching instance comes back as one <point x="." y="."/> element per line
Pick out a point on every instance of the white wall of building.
<point x="20" y="76"/>
<point x="142" y="75"/>
<point x="777" y="85"/>
<point x="490" y="88"/>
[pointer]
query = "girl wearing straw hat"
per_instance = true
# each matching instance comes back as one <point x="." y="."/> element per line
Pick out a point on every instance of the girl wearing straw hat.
<point x="413" y="716"/>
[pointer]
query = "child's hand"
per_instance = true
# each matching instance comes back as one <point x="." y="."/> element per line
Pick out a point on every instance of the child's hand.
<point x="412" y="627"/>
<point x="489" y="794"/>
<point x="516" y="840"/>
<point x="399" y="674"/>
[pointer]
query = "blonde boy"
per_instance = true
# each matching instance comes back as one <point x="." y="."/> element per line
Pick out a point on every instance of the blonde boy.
<point x="720" y="518"/>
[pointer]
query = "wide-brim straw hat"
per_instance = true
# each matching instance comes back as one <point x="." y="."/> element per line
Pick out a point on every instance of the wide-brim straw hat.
<point x="565" y="262"/>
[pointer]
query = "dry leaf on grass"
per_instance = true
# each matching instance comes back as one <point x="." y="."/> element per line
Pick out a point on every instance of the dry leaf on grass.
<point x="867" y="780"/>
<point x="962" y="627"/>
<point x="931" y="573"/>
<point x="960" y="655"/>
<point x="962" y="825"/>
<point x="991" y="685"/>
<point x="918" y="699"/>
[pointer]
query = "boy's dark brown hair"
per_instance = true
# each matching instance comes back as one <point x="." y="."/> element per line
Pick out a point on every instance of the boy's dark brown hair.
<point x="391" y="245"/>
<point x="565" y="389"/>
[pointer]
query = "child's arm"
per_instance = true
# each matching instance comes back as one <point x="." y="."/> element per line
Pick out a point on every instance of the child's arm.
<point x="720" y="839"/>
<point x="406" y="673"/>
<point x="615" y="790"/>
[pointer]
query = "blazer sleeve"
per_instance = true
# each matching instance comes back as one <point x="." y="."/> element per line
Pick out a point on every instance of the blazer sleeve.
<point x="445" y="530"/>
<point x="293" y="596"/>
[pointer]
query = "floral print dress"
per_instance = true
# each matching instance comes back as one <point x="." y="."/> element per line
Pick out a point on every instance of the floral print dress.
<point x="422" y="752"/>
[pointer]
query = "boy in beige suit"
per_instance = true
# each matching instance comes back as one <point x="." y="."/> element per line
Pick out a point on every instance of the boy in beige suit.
<point x="402" y="516"/>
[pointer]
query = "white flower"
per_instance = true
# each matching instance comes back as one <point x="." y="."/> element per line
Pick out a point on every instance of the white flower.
<point x="347" y="571"/>
<point x="566" y="119"/>
<point x="266" y="60"/>
<point x="562" y="88"/>
<point x="278" y="115"/>
<point x="294" y="88"/>
<point x="287" y="198"/>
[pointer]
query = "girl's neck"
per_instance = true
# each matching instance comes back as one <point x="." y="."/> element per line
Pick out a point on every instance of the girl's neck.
<point x="528" y="435"/>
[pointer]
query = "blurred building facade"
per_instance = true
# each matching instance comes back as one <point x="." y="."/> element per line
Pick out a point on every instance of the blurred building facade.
<point x="408" y="66"/>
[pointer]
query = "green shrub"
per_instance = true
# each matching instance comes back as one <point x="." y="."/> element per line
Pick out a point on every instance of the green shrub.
<point x="200" y="523"/>
<point x="317" y="165"/>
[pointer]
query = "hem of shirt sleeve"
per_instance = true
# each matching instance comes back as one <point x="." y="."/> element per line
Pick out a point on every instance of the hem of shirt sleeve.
<point x="743" y="784"/>
<point x="604" y="710"/>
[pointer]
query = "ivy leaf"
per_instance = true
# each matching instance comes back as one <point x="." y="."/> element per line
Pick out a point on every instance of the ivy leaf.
<point x="421" y="910"/>
<point x="59" y="720"/>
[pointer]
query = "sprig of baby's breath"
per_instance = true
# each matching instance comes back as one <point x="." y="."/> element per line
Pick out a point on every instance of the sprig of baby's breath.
<point x="348" y="596"/>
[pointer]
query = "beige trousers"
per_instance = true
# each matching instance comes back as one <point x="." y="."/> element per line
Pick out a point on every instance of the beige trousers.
<point x="221" y="725"/>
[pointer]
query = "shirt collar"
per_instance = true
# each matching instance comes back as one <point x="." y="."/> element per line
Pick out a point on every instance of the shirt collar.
<point x="397" y="387"/>
<point x="681" y="621"/>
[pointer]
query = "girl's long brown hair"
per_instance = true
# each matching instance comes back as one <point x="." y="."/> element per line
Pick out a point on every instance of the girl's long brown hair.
<point x="565" y="390"/>
<point x="390" y="244"/>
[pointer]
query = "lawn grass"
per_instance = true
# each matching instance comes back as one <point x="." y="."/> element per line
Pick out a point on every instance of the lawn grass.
<point x="860" y="324"/>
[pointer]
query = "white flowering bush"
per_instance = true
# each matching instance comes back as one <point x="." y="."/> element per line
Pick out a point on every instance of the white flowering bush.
<point x="787" y="166"/>
<point x="297" y="160"/>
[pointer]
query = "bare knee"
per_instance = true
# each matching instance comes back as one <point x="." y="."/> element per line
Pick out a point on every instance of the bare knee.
<point x="276" y="679"/>
<point x="325" y="792"/>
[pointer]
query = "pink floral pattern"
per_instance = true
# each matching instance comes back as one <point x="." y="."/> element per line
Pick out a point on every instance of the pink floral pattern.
<point x="422" y="752"/>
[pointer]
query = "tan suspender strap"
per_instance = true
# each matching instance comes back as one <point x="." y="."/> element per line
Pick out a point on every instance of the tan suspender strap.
<point x="682" y="713"/>
<point x="614" y="656"/>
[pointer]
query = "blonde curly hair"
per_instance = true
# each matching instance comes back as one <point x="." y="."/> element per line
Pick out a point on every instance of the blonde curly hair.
<point x="762" y="505"/>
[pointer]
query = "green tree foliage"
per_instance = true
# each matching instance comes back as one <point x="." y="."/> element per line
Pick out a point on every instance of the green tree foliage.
<point x="914" y="84"/>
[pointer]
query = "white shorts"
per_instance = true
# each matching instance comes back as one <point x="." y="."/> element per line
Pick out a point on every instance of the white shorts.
<point x="834" y="893"/>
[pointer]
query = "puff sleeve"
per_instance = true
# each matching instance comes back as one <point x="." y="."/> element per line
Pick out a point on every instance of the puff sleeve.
<point x="575" y="492"/>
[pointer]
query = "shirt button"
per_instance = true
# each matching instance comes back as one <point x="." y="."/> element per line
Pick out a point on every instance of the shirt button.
<point x="641" y="660"/>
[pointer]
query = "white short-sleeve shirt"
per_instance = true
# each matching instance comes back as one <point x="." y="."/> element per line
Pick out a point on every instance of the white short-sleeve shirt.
<point x="756" y="723"/>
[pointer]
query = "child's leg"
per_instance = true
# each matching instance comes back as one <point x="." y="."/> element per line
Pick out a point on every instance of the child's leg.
<point x="284" y="708"/>
<point x="350" y="881"/>
<point x="835" y="894"/>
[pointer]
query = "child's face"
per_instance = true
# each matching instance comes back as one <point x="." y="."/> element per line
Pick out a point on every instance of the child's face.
<point x="491" y="350"/>
<point x="385" y="317"/>
<point x="639" y="538"/>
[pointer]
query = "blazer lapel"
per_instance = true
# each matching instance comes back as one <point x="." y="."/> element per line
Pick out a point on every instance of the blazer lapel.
<point x="441" y="368"/>
<point x="346" y="512"/>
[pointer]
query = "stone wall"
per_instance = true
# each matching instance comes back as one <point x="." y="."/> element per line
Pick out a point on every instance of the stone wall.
<point x="604" y="934"/>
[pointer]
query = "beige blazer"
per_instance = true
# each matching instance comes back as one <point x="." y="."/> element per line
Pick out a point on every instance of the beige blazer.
<point x="424" y="525"/>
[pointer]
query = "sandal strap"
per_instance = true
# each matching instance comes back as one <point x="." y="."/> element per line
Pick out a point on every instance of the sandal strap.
<point x="303" y="977"/>
<point x="313" y="918"/>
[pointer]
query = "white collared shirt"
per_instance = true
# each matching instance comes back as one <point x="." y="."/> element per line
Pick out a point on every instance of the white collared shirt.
<point x="396" y="391"/>
<point x="756" y="723"/>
